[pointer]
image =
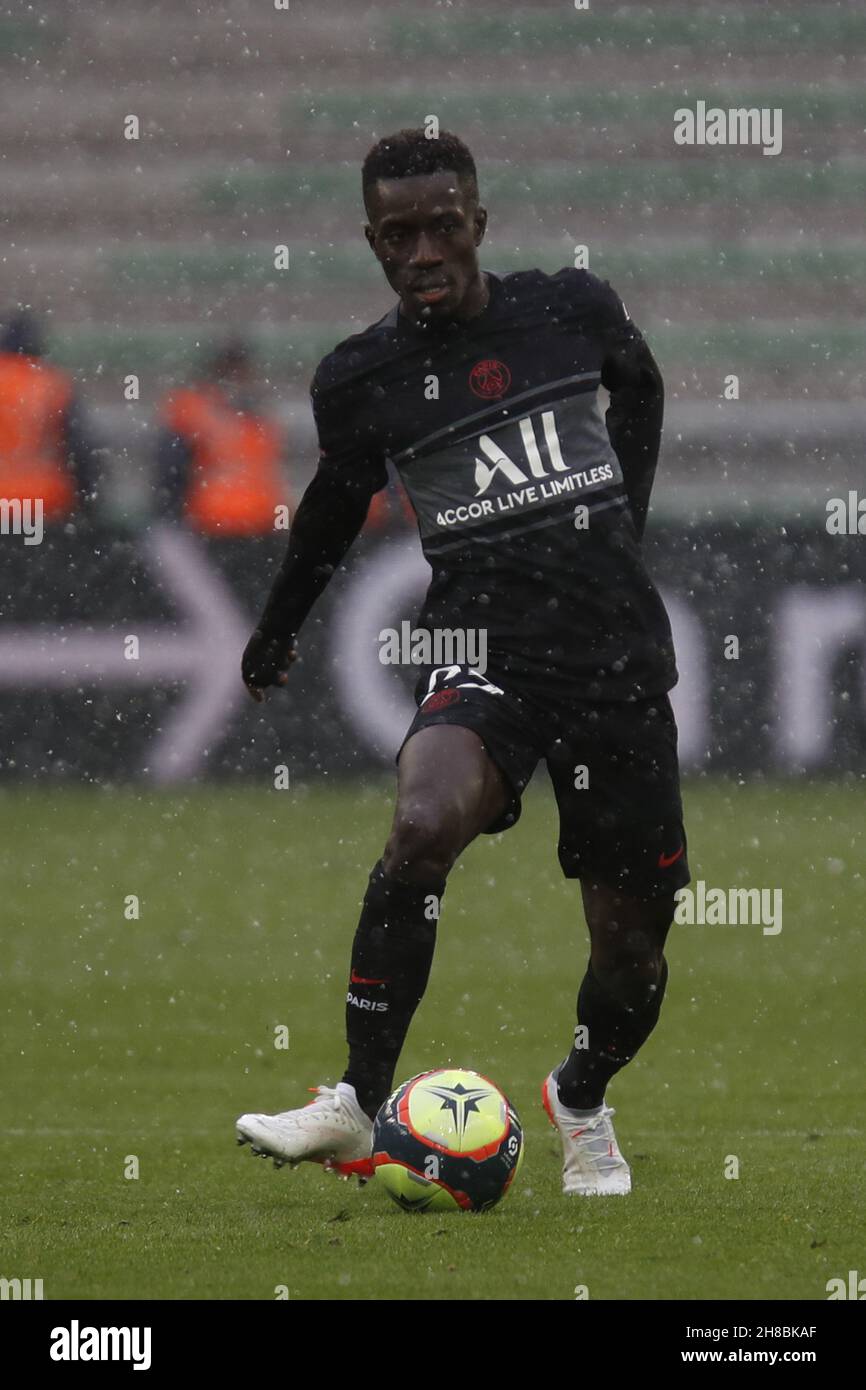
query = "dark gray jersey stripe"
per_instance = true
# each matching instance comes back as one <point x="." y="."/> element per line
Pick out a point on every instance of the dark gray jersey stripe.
<point x="504" y="413"/>
<point x="482" y="536"/>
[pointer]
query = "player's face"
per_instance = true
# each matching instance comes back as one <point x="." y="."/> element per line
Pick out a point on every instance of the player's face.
<point x="425" y="232"/>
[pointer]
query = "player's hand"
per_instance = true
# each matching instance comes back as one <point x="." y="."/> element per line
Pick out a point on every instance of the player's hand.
<point x="265" y="662"/>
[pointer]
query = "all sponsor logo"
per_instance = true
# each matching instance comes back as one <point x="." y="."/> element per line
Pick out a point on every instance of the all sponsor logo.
<point x="537" y="478"/>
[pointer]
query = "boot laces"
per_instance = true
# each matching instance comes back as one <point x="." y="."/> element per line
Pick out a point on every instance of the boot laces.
<point x="330" y="1100"/>
<point x="589" y="1127"/>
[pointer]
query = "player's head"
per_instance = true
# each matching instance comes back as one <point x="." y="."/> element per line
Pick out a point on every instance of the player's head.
<point x="425" y="222"/>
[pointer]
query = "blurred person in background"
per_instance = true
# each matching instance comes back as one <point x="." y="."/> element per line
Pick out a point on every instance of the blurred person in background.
<point x="219" y="455"/>
<point x="46" y="451"/>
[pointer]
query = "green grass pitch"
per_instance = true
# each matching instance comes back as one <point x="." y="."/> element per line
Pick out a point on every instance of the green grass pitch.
<point x="147" y="1037"/>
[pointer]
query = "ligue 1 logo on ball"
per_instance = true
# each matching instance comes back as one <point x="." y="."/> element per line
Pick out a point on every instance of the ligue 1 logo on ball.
<point x="490" y="379"/>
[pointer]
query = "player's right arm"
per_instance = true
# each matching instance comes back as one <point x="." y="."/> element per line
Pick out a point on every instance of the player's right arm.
<point x="329" y="517"/>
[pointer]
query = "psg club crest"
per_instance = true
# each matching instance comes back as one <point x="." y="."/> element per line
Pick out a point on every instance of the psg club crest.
<point x="490" y="379"/>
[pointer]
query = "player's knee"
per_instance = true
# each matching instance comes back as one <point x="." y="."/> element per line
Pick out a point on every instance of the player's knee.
<point x="628" y="940"/>
<point x="633" y="974"/>
<point x="421" y="844"/>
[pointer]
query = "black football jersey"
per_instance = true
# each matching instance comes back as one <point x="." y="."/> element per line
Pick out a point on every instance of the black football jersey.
<point x="530" y="505"/>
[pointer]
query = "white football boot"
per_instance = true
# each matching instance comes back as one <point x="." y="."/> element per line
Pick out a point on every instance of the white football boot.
<point x="593" y="1165"/>
<point x="332" y="1130"/>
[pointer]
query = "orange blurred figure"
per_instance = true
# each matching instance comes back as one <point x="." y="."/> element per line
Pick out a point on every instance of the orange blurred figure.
<point x="220" y="457"/>
<point x="44" y="451"/>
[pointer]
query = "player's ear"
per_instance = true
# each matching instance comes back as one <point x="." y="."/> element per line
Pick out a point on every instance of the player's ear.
<point x="371" y="238"/>
<point x="480" y="224"/>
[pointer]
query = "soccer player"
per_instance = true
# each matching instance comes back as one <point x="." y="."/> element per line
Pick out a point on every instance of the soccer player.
<point x="482" y="391"/>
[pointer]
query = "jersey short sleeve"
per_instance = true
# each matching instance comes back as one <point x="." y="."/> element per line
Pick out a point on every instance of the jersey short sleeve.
<point x="626" y="359"/>
<point x="596" y="308"/>
<point x="349" y="444"/>
<point x="614" y="323"/>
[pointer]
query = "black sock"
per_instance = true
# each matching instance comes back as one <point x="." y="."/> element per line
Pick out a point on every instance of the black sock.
<point x="391" y="958"/>
<point x="615" y="1033"/>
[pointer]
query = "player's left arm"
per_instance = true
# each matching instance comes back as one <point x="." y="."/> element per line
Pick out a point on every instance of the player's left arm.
<point x="636" y="412"/>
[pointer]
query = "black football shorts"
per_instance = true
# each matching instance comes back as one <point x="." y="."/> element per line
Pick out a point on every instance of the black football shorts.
<point x="613" y="766"/>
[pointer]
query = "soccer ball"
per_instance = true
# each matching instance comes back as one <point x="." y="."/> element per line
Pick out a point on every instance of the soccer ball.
<point x="447" y="1140"/>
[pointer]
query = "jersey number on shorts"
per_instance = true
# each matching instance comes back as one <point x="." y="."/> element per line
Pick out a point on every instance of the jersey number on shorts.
<point x="477" y="681"/>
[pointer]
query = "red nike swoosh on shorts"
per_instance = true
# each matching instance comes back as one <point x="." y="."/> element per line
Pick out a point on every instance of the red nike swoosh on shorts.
<point x="665" y="860"/>
<point x="359" y="980"/>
